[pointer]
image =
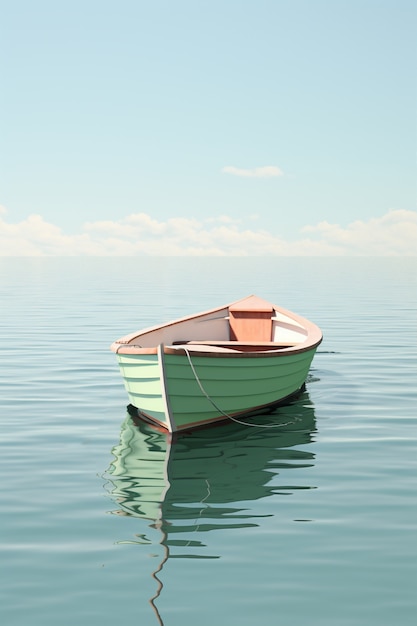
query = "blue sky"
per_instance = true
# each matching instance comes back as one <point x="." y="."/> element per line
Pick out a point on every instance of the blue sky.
<point x="275" y="126"/>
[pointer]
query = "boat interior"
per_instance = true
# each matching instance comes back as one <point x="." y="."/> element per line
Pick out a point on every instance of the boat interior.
<point x="249" y="325"/>
<point x="252" y="326"/>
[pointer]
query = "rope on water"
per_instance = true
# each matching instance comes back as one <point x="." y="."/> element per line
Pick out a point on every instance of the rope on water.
<point x="230" y="417"/>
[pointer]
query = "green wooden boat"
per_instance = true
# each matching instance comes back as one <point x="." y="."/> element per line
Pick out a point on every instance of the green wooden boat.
<point x="225" y="363"/>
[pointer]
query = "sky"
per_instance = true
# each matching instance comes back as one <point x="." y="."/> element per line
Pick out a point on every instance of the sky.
<point x="200" y="128"/>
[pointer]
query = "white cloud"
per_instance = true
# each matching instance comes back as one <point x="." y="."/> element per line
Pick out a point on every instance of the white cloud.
<point x="267" y="171"/>
<point x="393" y="234"/>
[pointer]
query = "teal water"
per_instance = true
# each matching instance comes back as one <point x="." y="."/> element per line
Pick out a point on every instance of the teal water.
<point x="104" y="521"/>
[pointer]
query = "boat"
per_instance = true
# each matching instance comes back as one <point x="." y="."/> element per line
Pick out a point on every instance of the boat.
<point x="229" y="362"/>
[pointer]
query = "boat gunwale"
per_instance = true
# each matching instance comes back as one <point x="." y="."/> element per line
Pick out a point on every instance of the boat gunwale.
<point x="237" y="354"/>
<point x="127" y="339"/>
<point x="124" y="345"/>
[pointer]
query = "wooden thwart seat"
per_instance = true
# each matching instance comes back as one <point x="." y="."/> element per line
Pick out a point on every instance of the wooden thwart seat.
<point x="250" y="329"/>
<point x="241" y="346"/>
<point x="251" y="320"/>
<point x="231" y="344"/>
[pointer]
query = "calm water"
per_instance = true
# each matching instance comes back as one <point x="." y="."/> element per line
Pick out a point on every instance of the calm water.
<point x="310" y="522"/>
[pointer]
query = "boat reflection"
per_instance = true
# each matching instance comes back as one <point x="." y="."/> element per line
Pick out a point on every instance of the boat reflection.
<point x="207" y="479"/>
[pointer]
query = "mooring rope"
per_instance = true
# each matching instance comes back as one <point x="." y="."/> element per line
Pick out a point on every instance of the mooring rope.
<point x="234" y="419"/>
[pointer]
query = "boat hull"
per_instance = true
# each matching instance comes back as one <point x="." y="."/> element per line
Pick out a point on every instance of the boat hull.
<point x="223" y="363"/>
<point x="188" y="390"/>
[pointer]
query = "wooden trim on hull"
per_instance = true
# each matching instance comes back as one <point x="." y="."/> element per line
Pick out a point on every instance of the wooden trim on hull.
<point x="213" y="421"/>
<point x="137" y="414"/>
<point x="165" y="396"/>
<point x="235" y="349"/>
<point x="241" y="350"/>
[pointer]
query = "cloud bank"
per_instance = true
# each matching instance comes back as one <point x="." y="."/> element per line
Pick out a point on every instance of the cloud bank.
<point x="267" y="171"/>
<point x="140" y="234"/>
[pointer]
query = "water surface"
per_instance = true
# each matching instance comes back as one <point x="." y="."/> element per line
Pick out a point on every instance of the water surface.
<point x="311" y="521"/>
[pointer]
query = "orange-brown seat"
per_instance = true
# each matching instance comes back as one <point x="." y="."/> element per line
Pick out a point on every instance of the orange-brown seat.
<point x="251" y="320"/>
